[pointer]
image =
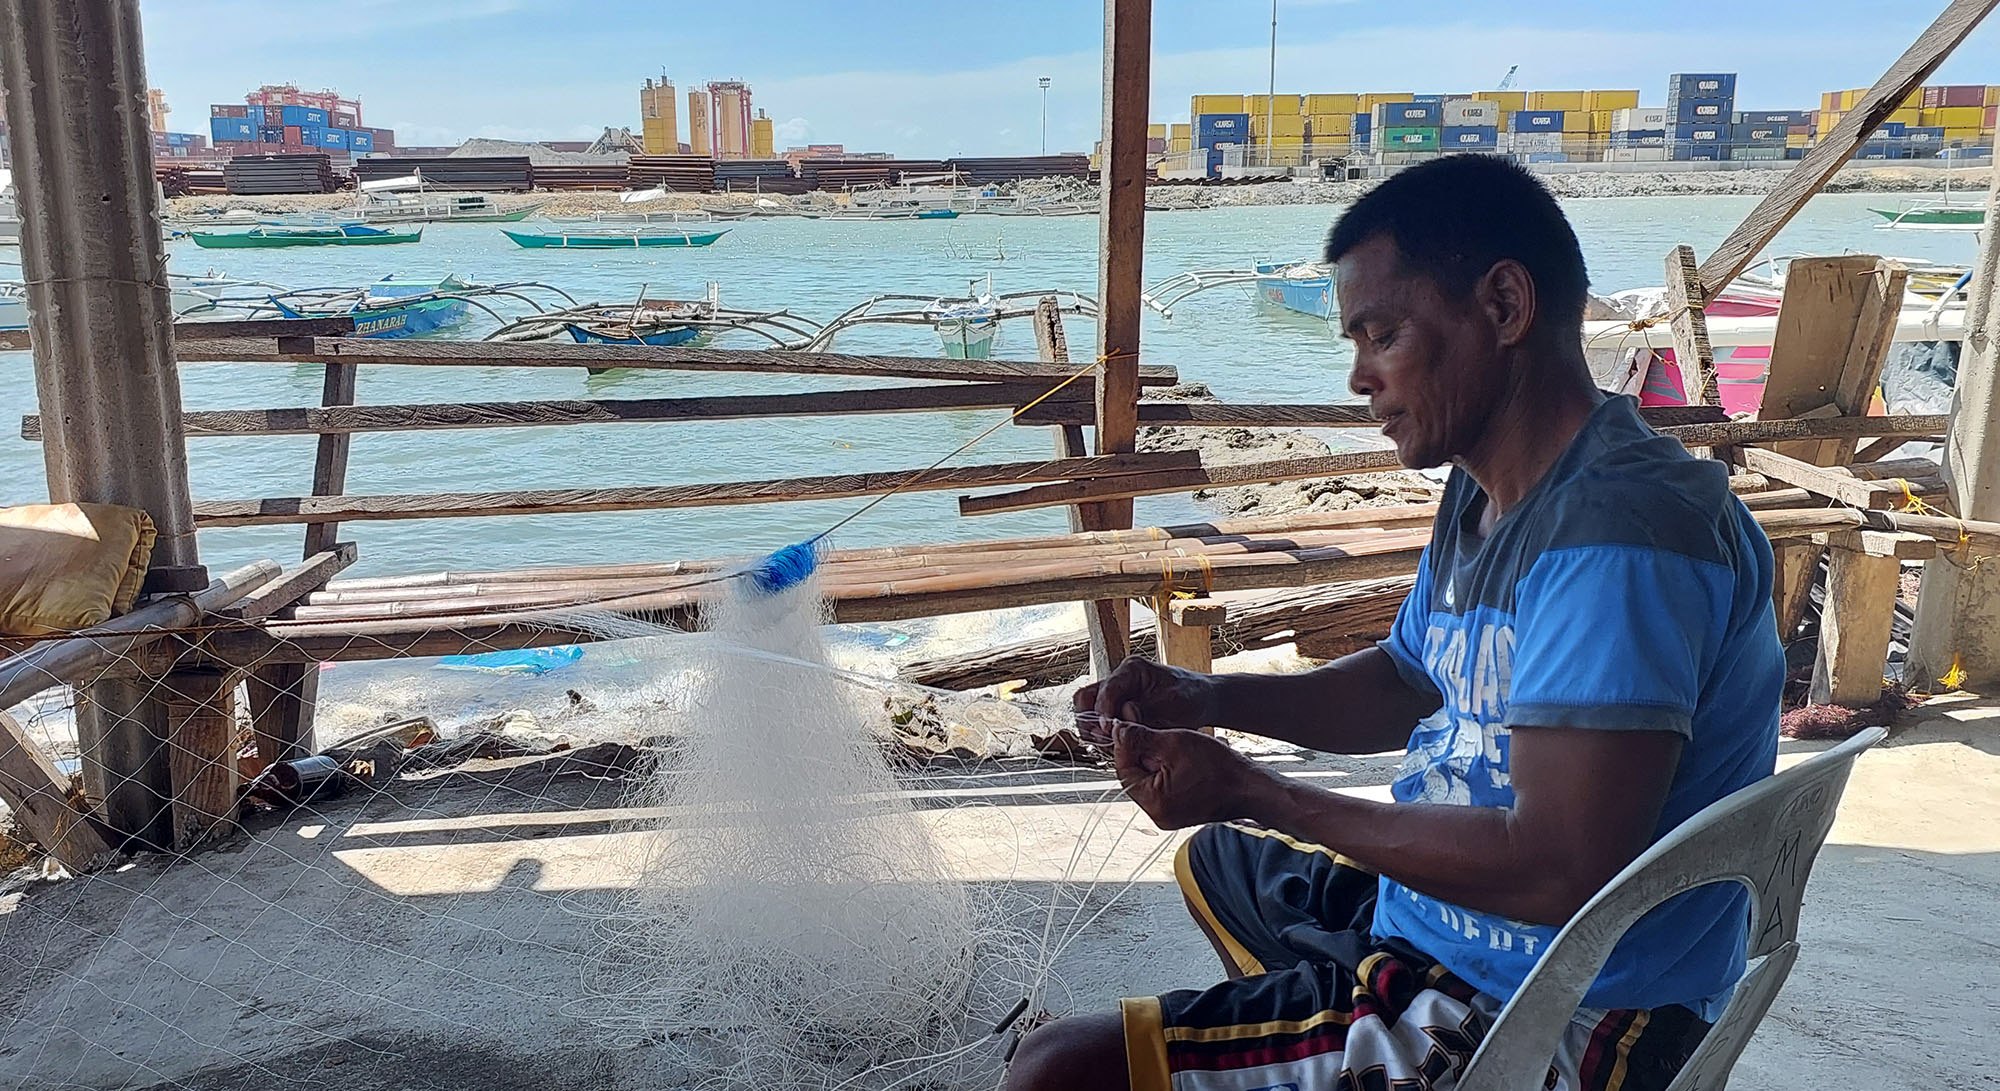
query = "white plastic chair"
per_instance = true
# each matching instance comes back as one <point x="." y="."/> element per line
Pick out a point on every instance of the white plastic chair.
<point x="1765" y="837"/>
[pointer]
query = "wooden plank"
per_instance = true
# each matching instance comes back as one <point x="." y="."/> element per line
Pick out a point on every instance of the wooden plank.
<point x="307" y="509"/>
<point x="1832" y="483"/>
<point x="17" y="340"/>
<point x="487" y="354"/>
<point x="1867" y="353"/>
<point x="1102" y="617"/>
<point x="1882" y="446"/>
<point x="330" y="462"/>
<point x="1121" y="255"/>
<point x="293" y="583"/>
<point x="1286" y="415"/>
<point x="1836" y="147"/>
<point x="1854" y="628"/>
<point x="39" y="797"/>
<point x="1185" y="629"/>
<point x="1770" y="431"/>
<point x="283" y="697"/>
<point x="441" y="416"/>
<point x="1689" y="325"/>
<point x="1901" y="545"/>
<point x="201" y="747"/>
<point x="1131" y="485"/>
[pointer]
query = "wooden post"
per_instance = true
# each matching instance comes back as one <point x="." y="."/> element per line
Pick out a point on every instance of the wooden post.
<point x="1186" y="631"/>
<point x="284" y="696"/>
<point x="1101" y="616"/>
<point x="1685" y="300"/>
<point x="101" y="323"/>
<point x="1835" y="325"/>
<point x="201" y="743"/>
<point x="1958" y="616"/>
<point x="40" y="799"/>
<point x="1854" y="627"/>
<point x="1834" y="149"/>
<point x="1121" y="254"/>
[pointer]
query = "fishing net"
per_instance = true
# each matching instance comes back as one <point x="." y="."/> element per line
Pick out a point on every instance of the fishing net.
<point x="723" y="859"/>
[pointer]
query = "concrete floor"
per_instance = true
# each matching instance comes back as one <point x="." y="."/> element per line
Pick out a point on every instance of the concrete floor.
<point x="442" y="935"/>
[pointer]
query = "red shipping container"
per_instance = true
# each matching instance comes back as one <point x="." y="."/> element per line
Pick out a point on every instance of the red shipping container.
<point x="227" y="110"/>
<point x="1960" y="94"/>
<point x="1992" y="116"/>
<point x="293" y="136"/>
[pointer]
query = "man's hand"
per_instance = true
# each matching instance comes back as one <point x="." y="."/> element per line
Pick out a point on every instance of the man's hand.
<point x="1183" y="778"/>
<point x="1145" y="692"/>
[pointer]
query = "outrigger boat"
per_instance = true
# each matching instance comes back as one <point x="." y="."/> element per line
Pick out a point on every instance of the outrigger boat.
<point x="1937" y="215"/>
<point x="658" y="322"/>
<point x="391" y="307"/>
<point x="405" y="200"/>
<point x="966" y="325"/>
<point x="271" y="235"/>
<point x="189" y="295"/>
<point x="612" y="239"/>
<point x="1302" y="286"/>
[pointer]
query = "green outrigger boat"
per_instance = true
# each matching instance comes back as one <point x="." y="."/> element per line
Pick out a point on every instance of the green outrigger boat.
<point x="612" y="238"/>
<point x="1960" y="216"/>
<point x="303" y="235"/>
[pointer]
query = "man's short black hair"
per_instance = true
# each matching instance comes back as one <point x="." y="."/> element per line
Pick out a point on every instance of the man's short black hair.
<point x="1453" y="218"/>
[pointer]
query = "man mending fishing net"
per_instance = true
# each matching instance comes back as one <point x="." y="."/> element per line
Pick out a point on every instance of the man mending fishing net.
<point x="1588" y="658"/>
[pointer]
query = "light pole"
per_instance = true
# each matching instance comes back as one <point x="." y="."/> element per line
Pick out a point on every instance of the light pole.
<point x="1045" y="115"/>
<point x="1271" y="91"/>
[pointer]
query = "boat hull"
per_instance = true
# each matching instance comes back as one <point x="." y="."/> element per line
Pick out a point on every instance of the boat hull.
<point x="666" y="338"/>
<point x="1306" y="295"/>
<point x="612" y="242"/>
<point x="1933" y="217"/>
<point x="393" y="321"/>
<point x="967" y="338"/>
<point x="247" y="241"/>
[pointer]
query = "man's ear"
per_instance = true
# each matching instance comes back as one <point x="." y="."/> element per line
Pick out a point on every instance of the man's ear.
<point x="1507" y="294"/>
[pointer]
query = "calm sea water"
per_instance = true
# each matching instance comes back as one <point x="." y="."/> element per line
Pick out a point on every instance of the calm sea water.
<point x="819" y="269"/>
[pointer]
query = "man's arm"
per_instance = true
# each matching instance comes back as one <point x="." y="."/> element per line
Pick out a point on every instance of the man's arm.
<point x="1586" y="804"/>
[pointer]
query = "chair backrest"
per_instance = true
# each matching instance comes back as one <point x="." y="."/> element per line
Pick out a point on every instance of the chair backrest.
<point x="1764" y="837"/>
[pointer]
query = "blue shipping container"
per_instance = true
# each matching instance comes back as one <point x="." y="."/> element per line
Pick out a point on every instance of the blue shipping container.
<point x="1926" y="135"/>
<point x="1548" y="157"/>
<point x="1427" y="98"/>
<point x="179" y="140"/>
<point x="1364" y="124"/>
<point x="1892" y="128"/>
<point x="1686" y="85"/>
<point x="1702" y="111"/>
<point x="271" y="134"/>
<point x="303" y="116"/>
<point x="360" y="140"/>
<point x="1639" y="138"/>
<point x="1772" y="117"/>
<point x="257" y="115"/>
<point x="332" y="138"/>
<point x="1471" y="136"/>
<point x="1758" y="134"/>
<point x="1410" y="115"/>
<point x="310" y="135"/>
<point x="231" y="128"/>
<point x="1536" y="121"/>
<point x="1213" y="129"/>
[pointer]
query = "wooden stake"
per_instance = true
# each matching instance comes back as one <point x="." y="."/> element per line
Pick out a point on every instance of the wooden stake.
<point x="1685" y="300"/>
<point x="201" y="745"/>
<point x="1854" y="628"/>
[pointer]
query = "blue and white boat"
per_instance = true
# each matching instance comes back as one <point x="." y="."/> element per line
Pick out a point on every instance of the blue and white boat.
<point x="1302" y="286"/>
<point x="389" y="308"/>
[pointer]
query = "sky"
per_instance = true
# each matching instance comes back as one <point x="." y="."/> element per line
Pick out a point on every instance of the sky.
<point x="946" y="77"/>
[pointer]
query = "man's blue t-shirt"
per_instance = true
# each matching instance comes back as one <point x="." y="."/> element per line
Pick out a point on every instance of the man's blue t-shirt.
<point x="1628" y="591"/>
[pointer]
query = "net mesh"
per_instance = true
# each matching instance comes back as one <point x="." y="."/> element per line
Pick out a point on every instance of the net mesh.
<point x="720" y="859"/>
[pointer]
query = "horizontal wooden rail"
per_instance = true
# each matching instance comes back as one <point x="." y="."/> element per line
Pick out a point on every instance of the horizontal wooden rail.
<point x="1304" y="415"/>
<point x="336" y="419"/>
<point x="343" y="509"/>
<point x="355" y="350"/>
<point x="226" y="329"/>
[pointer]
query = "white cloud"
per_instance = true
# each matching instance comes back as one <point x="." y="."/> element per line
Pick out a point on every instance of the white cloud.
<point x="791" y="132"/>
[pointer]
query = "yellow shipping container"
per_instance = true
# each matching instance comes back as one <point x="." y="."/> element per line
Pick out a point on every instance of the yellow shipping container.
<point x="1316" y="105"/>
<point x="1179" y="144"/>
<point x="1556" y="100"/>
<point x="1908" y="115"/>
<point x="763" y="143"/>
<point x="1156" y="132"/>
<point x="1331" y="125"/>
<point x="1215" y="104"/>
<point x="1606" y="101"/>
<point x="1178" y="131"/>
<point x="1955" y="117"/>
<point x="1281" y="105"/>
<point x="1993" y="95"/>
<point x="1365" y="104"/>
<point x="1510" y="101"/>
<point x="1285" y="140"/>
<point x="1574" y="121"/>
<point x="1277" y="125"/>
<point x="1829" y="102"/>
<point x="1798" y="140"/>
<point x="1963" y="135"/>
<point x="1600" y="120"/>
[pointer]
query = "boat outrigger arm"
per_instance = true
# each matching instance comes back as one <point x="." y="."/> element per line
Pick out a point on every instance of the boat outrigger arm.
<point x="271" y="304"/>
<point x="781" y="328"/>
<point x="1168" y="294"/>
<point x="923" y="310"/>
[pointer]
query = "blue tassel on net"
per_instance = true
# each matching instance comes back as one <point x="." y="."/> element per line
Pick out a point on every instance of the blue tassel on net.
<point x="786" y="568"/>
